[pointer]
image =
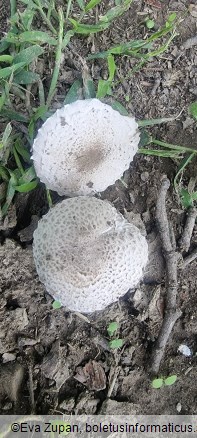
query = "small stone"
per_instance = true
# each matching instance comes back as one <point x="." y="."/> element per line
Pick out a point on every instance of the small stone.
<point x="144" y="176"/>
<point x="185" y="350"/>
<point x="7" y="406"/>
<point x="8" y="357"/>
<point x="178" y="407"/>
<point x="67" y="405"/>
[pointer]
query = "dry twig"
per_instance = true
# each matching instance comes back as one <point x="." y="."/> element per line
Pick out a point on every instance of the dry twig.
<point x="190" y="258"/>
<point x="184" y="242"/>
<point x="171" y="311"/>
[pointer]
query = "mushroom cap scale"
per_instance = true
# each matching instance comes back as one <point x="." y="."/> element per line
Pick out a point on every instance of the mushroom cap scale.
<point x="84" y="147"/>
<point x="87" y="254"/>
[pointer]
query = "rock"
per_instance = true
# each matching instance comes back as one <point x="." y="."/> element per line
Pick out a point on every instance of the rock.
<point x="11" y="379"/>
<point x="8" y="357"/>
<point x="55" y="365"/>
<point x="113" y="407"/>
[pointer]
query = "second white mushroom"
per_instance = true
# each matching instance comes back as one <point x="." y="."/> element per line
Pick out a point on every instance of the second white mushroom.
<point x="87" y="254"/>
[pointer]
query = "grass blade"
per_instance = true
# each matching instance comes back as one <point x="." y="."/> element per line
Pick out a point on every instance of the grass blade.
<point x="56" y="70"/>
<point x="32" y="36"/>
<point x="86" y="29"/>
<point x="181" y="167"/>
<point x="159" y="153"/>
<point x="91" y="4"/>
<point x="28" y="176"/>
<point x="152" y="122"/>
<point x="22" y="151"/>
<point x="116" y="12"/>
<point x="117" y="106"/>
<point x="68" y="9"/>
<point x="13" y="115"/>
<point x="173" y="146"/>
<point x="26" y="187"/>
<point x="81" y="4"/>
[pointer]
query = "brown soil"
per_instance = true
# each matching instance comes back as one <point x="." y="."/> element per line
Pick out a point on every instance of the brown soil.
<point x="55" y="352"/>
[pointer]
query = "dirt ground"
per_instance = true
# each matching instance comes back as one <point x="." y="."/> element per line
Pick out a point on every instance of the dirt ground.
<point x="54" y="361"/>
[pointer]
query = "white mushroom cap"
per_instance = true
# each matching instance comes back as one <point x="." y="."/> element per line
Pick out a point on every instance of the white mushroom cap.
<point x="87" y="255"/>
<point x="84" y="147"/>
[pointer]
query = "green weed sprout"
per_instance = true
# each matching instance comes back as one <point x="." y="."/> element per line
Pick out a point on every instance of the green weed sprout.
<point x="178" y="152"/>
<point x="164" y="381"/>
<point x="56" y="305"/>
<point x="112" y="328"/>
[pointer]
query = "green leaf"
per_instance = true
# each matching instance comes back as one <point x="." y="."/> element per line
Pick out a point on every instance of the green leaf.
<point x="22" y="151"/>
<point x="170" y="380"/>
<point x="13" y="115"/>
<point x="4" y="45"/>
<point x="183" y="149"/>
<point x="81" y="4"/>
<point x="112" y="328"/>
<point x="86" y="29"/>
<point x="6" y="134"/>
<point x="157" y="383"/>
<point x="116" y="343"/>
<point x="117" y="106"/>
<point x="67" y="38"/>
<point x="26" y="187"/>
<point x="56" y="304"/>
<point x="182" y="166"/>
<point x="111" y="67"/>
<point x="172" y="17"/>
<point x="186" y="198"/>
<point x="103" y="87"/>
<point x="40" y="113"/>
<point x="26" y="77"/>
<point x="145" y="138"/>
<point x="91" y="4"/>
<point x="116" y="12"/>
<point x="122" y="49"/>
<point x="7" y="71"/>
<point x="194" y="196"/>
<point x="89" y="89"/>
<point x="28" y="55"/>
<point x="150" y="23"/>
<point x="28" y="176"/>
<point x="74" y="93"/>
<point x="4" y="174"/>
<point x="193" y="110"/>
<point x="6" y="58"/>
<point x="159" y="153"/>
<point x="32" y="36"/>
<point x="9" y="195"/>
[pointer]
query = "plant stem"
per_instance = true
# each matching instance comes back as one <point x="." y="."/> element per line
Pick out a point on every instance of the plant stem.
<point x="12" y="7"/>
<point x="57" y="59"/>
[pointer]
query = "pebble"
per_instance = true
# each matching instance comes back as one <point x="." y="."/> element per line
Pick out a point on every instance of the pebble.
<point x="8" y="357"/>
<point x="185" y="350"/>
<point x="178" y="407"/>
<point x="144" y="176"/>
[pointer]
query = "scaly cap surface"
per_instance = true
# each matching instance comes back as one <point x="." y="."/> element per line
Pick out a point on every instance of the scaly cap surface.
<point x="87" y="254"/>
